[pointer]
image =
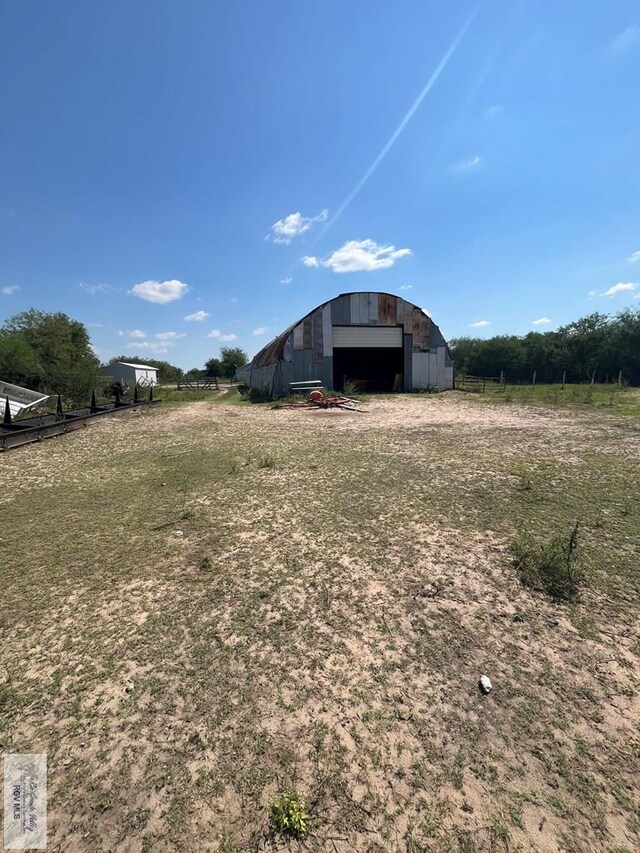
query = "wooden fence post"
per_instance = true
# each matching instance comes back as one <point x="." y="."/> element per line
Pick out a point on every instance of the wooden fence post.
<point x="593" y="377"/>
<point x="533" y="381"/>
<point x="564" y="376"/>
<point x="620" y="378"/>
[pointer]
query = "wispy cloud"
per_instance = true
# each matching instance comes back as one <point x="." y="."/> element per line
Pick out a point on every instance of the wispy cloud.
<point x="261" y="330"/>
<point x="197" y="316"/>
<point x="10" y="289"/>
<point x="541" y="321"/>
<point x="624" y="41"/>
<point x="634" y="258"/>
<point x="137" y="333"/>
<point x="286" y="280"/>
<point x="170" y="336"/>
<point x="405" y="287"/>
<point x="362" y="256"/>
<point x="466" y="165"/>
<point x="151" y="346"/>
<point x="479" y="324"/>
<point x="493" y="111"/>
<point x="216" y="333"/>
<point x="621" y="287"/>
<point x="160" y="292"/>
<point x="93" y="289"/>
<point x="284" y="230"/>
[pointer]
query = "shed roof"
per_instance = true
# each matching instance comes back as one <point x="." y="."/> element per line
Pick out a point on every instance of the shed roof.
<point x="20" y="399"/>
<point x="137" y="366"/>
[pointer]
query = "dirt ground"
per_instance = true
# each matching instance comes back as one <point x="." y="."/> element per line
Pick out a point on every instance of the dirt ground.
<point x="207" y="605"/>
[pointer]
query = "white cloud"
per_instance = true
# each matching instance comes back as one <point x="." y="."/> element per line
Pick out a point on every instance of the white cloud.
<point x="261" y="330"/>
<point x="197" y="316"/>
<point x="216" y="333"/>
<point x="93" y="289"/>
<point x="479" y="324"/>
<point x="10" y="289"/>
<point x="426" y="311"/>
<point x="160" y="292"/>
<point x="286" y="280"/>
<point x="621" y="287"/>
<point x="494" y="110"/>
<point x="634" y="257"/>
<point x="170" y="336"/>
<point x="137" y="333"/>
<point x="150" y="346"/>
<point x="624" y="41"/>
<point x="284" y="230"/>
<point x="541" y="321"/>
<point x="405" y="287"/>
<point x="466" y="165"/>
<point x="363" y="256"/>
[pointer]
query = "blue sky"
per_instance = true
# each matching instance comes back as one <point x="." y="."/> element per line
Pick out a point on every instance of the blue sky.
<point x="183" y="175"/>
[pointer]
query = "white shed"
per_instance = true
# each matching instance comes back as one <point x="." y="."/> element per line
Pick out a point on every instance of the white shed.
<point x="132" y="374"/>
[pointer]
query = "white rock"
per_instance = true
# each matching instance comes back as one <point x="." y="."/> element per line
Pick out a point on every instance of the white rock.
<point x="485" y="684"/>
<point x="178" y="534"/>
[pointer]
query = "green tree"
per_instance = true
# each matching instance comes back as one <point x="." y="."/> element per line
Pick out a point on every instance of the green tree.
<point x="66" y="364"/>
<point x="213" y="367"/>
<point x="18" y="361"/>
<point x="231" y="358"/>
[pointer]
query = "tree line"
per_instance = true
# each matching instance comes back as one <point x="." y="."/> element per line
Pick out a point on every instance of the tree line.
<point x="599" y="343"/>
<point x="51" y="353"/>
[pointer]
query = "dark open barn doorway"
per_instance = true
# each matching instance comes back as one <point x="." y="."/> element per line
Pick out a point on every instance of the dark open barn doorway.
<point x="370" y="369"/>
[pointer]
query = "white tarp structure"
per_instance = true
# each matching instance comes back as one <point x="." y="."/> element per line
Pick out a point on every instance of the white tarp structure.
<point x="20" y="399"/>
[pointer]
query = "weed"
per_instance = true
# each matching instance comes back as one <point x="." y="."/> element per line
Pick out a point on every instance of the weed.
<point x="205" y="564"/>
<point x="552" y="567"/>
<point x="267" y="461"/>
<point x="524" y="475"/>
<point x="289" y="815"/>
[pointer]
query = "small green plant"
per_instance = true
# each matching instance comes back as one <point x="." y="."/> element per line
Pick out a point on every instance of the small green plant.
<point x="552" y="567"/>
<point x="267" y="461"/>
<point x="524" y="475"/>
<point x="289" y="815"/>
<point x="205" y="564"/>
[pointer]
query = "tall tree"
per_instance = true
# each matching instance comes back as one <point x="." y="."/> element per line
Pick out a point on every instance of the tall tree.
<point x="66" y="364"/>
<point x="231" y="358"/>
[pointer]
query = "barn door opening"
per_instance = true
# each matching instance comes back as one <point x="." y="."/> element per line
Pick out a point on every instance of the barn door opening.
<point x="369" y="357"/>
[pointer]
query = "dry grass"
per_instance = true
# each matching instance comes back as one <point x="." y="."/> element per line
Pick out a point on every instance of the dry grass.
<point x="188" y="630"/>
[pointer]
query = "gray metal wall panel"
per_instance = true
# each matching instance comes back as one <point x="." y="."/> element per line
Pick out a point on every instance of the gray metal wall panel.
<point x="298" y="336"/>
<point x="373" y="309"/>
<point x="355" y="308"/>
<point x="327" y="332"/>
<point x="407" y="379"/>
<point x="441" y="375"/>
<point x="364" y="307"/>
<point x="448" y="379"/>
<point x="433" y="368"/>
<point x="316" y="325"/>
<point x="420" y="365"/>
<point x="340" y="311"/>
<point x="288" y="348"/>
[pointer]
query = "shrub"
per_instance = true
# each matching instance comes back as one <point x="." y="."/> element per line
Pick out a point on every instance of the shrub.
<point x="289" y="815"/>
<point x="552" y="567"/>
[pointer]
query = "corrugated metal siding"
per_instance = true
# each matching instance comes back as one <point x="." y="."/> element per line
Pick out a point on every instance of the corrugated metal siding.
<point x="341" y="310"/>
<point x="327" y="332"/>
<point x="298" y="337"/>
<point x="316" y="322"/>
<point x="367" y="336"/>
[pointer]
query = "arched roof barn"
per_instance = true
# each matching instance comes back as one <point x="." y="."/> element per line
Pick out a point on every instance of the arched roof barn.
<point x="378" y="341"/>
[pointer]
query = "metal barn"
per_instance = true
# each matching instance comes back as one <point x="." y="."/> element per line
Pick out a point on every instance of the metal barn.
<point x="132" y="374"/>
<point x="378" y="341"/>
